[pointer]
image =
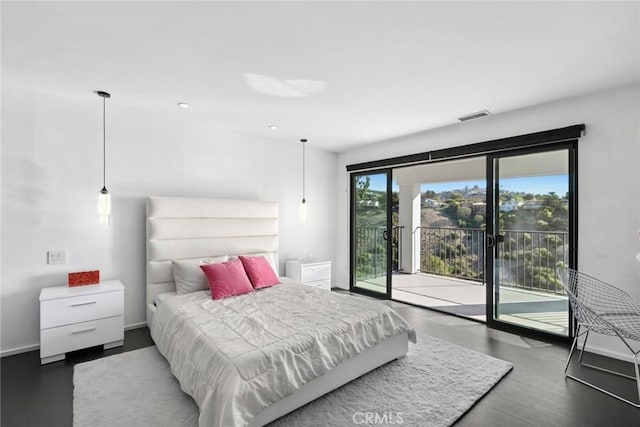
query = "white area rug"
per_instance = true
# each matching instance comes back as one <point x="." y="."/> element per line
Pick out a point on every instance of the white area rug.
<point x="433" y="386"/>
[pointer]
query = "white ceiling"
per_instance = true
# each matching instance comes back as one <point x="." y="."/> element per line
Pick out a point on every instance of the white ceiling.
<point x="338" y="73"/>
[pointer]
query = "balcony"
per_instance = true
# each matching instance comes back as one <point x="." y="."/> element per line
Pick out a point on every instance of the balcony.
<point x="451" y="276"/>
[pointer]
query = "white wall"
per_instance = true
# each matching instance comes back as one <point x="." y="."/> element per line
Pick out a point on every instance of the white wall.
<point x="609" y="181"/>
<point x="52" y="172"/>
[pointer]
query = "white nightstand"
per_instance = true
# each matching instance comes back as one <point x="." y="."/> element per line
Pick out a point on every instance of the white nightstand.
<point x="78" y="317"/>
<point x="310" y="271"/>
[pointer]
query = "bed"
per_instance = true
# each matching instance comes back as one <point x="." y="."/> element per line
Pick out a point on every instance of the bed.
<point x="250" y="359"/>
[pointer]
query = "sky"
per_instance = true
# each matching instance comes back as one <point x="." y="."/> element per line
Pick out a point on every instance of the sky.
<point x="535" y="185"/>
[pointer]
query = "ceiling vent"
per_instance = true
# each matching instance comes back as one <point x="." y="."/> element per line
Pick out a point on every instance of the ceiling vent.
<point x="475" y="115"/>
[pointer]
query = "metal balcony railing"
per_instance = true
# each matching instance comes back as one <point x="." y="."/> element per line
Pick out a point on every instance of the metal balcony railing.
<point x="452" y="252"/>
<point x="528" y="259"/>
<point x="524" y="259"/>
<point x="371" y="251"/>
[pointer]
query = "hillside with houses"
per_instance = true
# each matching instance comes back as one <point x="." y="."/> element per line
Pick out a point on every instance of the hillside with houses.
<point x="533" y="238"/>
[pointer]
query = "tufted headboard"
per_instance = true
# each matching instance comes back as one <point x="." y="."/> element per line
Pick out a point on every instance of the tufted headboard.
<point x="184" y="227"/>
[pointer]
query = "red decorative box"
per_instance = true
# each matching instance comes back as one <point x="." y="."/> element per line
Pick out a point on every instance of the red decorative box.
<point x="82" y="278"/>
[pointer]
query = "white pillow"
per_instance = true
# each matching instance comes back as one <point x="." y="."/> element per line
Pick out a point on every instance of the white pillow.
<point x="268" y="255"/>
<point x="188" y="275"/>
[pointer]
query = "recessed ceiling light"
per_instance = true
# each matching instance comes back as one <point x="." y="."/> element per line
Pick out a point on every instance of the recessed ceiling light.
<point x="183" y="105"/>
<point x="273" y="127"/>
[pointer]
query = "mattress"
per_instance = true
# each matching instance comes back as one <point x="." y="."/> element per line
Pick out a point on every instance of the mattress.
<point x="163" y="296"/>
<point x="239" y="355"/>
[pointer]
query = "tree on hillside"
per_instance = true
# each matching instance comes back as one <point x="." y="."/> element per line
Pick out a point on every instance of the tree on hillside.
<point x="456" y="195"/>
<point x="430" y="194"/>
<point x="362" y="187"/>
<point x="463" y="212"/>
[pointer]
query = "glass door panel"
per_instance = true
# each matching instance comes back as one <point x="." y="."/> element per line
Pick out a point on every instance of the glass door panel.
<point x="530" y="239"/>
<point x="370" y="222"/>
<point x="439" y="220"/>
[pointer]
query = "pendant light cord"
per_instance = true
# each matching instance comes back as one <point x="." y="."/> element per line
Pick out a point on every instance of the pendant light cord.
<point x="303" y="170"/>
<point x="104" y="96"/>
<point x="104" y="145"/>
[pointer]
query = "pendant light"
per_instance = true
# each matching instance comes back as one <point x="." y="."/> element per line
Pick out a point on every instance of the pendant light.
<point x="104" y="198"/>
<point x="304" y="206"/>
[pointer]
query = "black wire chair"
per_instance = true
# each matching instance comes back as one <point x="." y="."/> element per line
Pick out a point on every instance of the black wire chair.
<point x="602" y="308"/>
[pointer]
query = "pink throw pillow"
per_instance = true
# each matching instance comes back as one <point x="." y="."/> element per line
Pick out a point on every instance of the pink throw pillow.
<point x="259" y="271"/>
<point x="227" y="279"/>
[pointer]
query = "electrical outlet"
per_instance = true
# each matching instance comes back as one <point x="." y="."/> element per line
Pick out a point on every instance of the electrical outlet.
<point x="56" y="257"/>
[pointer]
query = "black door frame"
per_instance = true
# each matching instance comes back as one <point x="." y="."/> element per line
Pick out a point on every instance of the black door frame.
<point x="352" y="240"/>
<point x="491" y="249"/>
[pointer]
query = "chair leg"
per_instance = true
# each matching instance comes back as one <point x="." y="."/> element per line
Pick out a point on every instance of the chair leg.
<point x="573" y="347"/>
<point x="584" y="345"/>
<point x="598" y="368"/>
<point x="593" y="386"/>
<point x="635" y="365"/>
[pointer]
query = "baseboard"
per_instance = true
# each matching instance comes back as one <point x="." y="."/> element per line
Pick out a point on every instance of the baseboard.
<point x="608" y="353"/>
<point x="19" y="350"/>
<point x="28" y="348"/>
<point x="135" y="326"/>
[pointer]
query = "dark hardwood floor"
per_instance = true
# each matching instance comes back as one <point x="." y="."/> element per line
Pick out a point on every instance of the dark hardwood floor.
<point x="534" y="393"/>
<point x="42" y="396"/>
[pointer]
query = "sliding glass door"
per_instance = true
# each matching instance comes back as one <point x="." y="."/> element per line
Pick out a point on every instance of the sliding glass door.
<point x="530" y="234"/>
<point x="455" y="245"/>
<point x="370" y="236"/>
<point x="440" y="217"/>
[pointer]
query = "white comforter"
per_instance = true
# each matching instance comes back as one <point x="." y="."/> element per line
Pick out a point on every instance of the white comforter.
<point x="238" y="355"/>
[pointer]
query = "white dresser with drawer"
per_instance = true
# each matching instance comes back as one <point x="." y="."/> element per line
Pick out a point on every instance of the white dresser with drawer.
<point x="72" y="318"/>
<point x="310" y="272"/>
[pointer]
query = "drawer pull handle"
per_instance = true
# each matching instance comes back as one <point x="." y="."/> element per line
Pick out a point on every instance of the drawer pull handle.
<point x="78" y="304"/>
<point x="81" y="331"/>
